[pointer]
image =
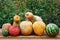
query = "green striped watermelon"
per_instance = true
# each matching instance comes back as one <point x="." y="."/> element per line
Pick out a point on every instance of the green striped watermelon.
<point x="52" y="30"/>
<point x="5" y="33"/>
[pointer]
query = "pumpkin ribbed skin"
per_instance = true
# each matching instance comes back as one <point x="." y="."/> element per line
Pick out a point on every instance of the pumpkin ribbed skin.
<point x="26" y="27"/>
<point x="52" y="29"/>
<point x="39" y="27"/>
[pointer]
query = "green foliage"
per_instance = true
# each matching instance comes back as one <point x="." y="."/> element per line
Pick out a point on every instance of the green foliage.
<point x="47" y="9"/>
<point x="8" y="9"/>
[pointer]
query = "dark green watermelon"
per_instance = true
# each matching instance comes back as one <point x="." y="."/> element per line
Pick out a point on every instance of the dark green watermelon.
<point x="52" y="30"/>
<point x="5" y="33"/>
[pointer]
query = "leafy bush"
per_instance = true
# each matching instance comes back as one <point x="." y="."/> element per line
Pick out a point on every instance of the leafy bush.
<point x="47" y="9"/>
<point x="8" y="9"/>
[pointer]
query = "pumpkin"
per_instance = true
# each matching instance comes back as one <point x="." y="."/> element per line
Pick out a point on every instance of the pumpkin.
<point x="5" y="33"/>
<point x="14" y="30"/>
<point x="30" y="17"/>
<point x="26" y="27"/>
<point x="39" y="27"/>
<point x="16" y="18"/>
<point x="6" y="26"/>
<point x="52" y="30"/>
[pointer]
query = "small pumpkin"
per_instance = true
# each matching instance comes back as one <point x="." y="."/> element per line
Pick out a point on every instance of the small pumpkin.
<point x="39" y="27"/>
<point x="16" y="18"/>
<point x="6" y="26"/>
<point x="52" y="30"/>
<point x="26" y="27"/>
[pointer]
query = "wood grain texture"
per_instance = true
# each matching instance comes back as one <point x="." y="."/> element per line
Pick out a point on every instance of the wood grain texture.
<point x="31" y="37"/>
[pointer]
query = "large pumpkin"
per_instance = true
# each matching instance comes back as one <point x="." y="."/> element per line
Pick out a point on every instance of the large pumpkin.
<point x="39" y="27"/>
<point x="26" y="27"/>
<point x="6" y="26"/>
<point x="52" y="30"/>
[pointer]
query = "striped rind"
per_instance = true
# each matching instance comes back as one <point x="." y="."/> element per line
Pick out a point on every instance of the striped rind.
<point x="52" y="29"/>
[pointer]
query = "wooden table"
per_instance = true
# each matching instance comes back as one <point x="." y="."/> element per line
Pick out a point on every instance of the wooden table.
<point x="31" y="37"/>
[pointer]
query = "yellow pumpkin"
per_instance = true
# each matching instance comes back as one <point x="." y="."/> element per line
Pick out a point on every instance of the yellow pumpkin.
<point x="6" y="26"/>
<point x="39" y="27"/>
<point x="16" y="18"/>
<point x="26" y="27"/>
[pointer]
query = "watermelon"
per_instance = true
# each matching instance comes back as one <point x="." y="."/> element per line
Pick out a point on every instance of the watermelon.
<point x="5" y="33"/>
<point x="52" y="30"/>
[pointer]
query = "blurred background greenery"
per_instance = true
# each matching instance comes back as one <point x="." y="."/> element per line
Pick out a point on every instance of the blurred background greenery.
<point x="47" y="9"/>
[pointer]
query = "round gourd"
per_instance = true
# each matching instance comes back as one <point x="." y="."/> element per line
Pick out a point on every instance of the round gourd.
<point x="6" y="26"/>
<point x="52" y="30"/>
<point x="39" y="27"/>
<point x="26" y="27"/>
<point x="16" y="18"/>
<point x="5" y="33"/>
<point x="14" y="30"/>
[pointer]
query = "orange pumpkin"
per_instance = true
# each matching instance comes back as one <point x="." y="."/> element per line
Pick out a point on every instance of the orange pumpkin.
<point x="16" y="18"/>
<point x="39" y="27"/>
<point x="6" y="26"/>
<point x="26" y="27"/>
<point x="29" y="16"/>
